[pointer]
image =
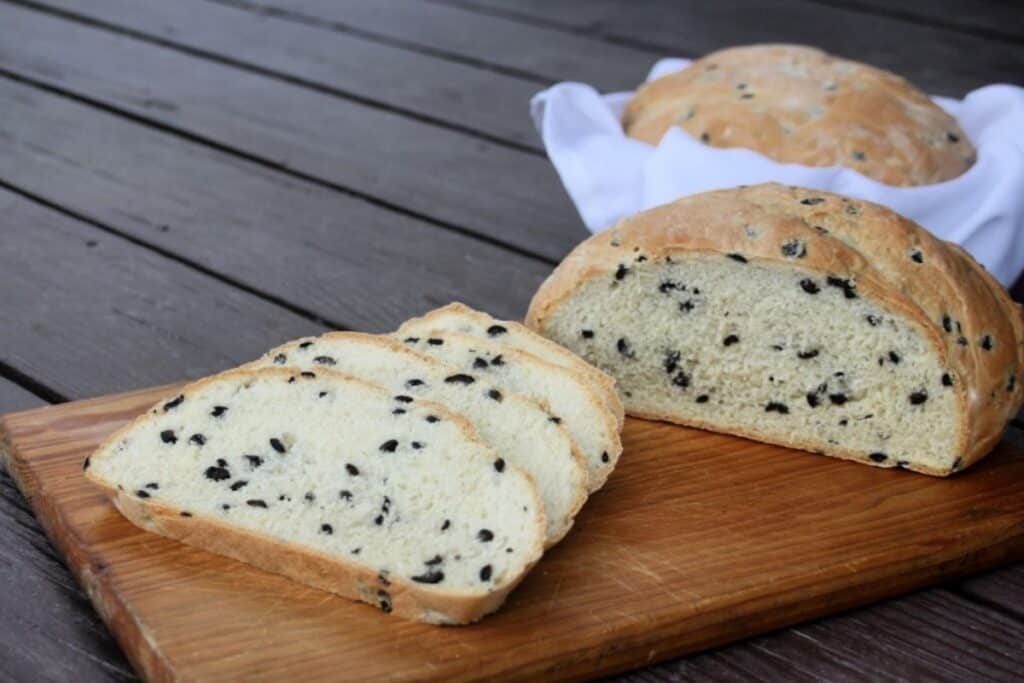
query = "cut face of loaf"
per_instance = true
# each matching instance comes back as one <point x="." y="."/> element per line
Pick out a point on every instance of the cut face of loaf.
<point x="518" y="429"/>
<point x="456" y="317"/>
<point x="570" y="399"/>
<point x="799" y="318"/>
<point x="333" y="482"/>
<point x="793" y="366"/>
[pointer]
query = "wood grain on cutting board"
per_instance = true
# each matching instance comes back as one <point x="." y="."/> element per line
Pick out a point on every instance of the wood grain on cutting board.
<point x="697" y="539"/>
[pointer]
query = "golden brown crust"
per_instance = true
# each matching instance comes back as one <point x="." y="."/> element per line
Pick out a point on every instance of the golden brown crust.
<point x="797" y="104"/>
<point x="891" y="259"/>
<point x="334" y="574"/>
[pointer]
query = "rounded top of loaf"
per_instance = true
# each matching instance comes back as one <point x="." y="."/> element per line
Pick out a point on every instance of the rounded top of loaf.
<point x="797" y="104"/>
<point x="970" y="319"/>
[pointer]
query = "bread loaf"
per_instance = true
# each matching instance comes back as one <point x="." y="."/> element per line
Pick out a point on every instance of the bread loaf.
<point x="333" y="482"/>
<point x="796" y="317"/>
<point x="518" y="429"/>
<point x="800" y="105"/>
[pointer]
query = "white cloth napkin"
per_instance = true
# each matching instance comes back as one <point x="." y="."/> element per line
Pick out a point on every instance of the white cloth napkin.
<point x="609" y="175"/>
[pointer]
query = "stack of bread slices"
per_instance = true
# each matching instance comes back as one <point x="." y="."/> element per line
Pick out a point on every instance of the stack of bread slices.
<point x="423" y="472"/>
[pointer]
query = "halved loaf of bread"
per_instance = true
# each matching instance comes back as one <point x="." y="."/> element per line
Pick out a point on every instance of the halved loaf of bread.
<point x="334" y="482"/>
<point x="572" y="400"/>
<point x="457" y="317"/>
<point x="518" y="429"/>
<point x="796" y="317"/>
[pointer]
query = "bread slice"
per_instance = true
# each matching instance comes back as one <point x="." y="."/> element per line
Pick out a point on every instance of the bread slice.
<point x="334" y="482"/>
<point x="457" y="317"/>
<point x="800" y="318"/>
<point x="571" y="399"/>
<point x="518" y="429"/>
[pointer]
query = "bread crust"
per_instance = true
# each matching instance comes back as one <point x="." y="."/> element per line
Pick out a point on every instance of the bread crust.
<point x="892" y="260"/>
<point x="394" y="346"/>
<point x="602" y="381"/>
<point x="337" y="575"/>
<point x="797" y="104"/>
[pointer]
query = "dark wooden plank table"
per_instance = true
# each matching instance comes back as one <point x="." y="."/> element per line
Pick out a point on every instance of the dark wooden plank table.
<point x="185" y="184"/>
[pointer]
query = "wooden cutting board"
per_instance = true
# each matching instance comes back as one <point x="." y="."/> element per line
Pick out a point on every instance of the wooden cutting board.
<point x="697" y="539"/>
